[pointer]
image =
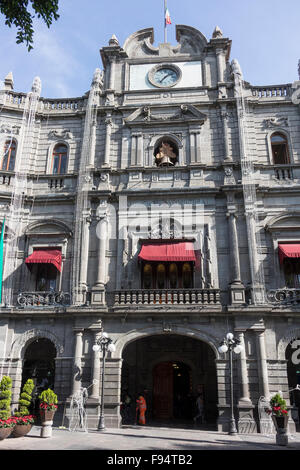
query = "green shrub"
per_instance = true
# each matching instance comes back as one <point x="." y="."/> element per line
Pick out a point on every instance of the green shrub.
<point x="277" y="400"/>
<point x="48" y="396"/>
<point x="5" y="397"/>
<point x="25" y="398"/>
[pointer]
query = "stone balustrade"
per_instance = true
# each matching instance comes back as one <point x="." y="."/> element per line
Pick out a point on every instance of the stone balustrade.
<point x="43" y="299"/>
<point x="274" y="91"/>
<point x="284" y="297"/>
<point x="283" y="172"/>
<point x="167" y="296"/>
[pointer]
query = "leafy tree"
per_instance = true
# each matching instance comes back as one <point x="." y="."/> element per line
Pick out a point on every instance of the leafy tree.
<point x="5" y="397"/>
<point x="25" y="398"/>
<point x="20" y="13"/>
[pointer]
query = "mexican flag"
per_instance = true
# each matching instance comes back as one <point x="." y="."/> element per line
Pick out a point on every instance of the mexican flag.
<point x="167" y="17"/>
<point x="1" y="257"/>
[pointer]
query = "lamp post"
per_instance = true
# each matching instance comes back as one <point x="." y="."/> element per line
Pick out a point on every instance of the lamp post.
<point x="104" y="343"/>
<point x="230" y="343"/>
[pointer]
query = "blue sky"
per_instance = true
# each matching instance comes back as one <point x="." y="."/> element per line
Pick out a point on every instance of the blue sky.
<point x="265" y="39"/>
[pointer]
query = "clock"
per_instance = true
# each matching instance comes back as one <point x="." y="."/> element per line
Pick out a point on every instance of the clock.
<point x="164" y="75"/>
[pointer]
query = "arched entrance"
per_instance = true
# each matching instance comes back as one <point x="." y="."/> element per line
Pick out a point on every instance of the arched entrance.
<point x="292" y="355"/>
<point x="171" y="370"/>
<point x="39" y="364"/>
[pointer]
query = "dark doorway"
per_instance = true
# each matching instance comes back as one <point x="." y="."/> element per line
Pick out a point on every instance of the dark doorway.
<point x="170" y="369"/>
<point x="293" y="372"/>
<point x="39" y="365"/>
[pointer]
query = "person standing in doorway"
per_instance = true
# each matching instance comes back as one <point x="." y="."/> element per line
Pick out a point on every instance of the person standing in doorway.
<point x="141" y="407"/>
<point x="200" y="409"/>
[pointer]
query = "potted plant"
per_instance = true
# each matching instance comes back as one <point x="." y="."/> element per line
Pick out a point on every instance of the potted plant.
<point x="7" y="423"/>
<point x="24" y="420"/>
<point x="48" y="407"/>
<point x="280" y="418"/>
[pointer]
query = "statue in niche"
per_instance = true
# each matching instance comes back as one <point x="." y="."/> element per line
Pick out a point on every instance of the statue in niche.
<point x="165" y="155"/>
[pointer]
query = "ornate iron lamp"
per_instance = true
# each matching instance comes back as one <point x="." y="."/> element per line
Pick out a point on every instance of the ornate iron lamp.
<point x="104" y="343"/>
<point x="230" y="343"/>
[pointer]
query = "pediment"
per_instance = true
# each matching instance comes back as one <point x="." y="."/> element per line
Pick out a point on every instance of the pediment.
<point x="289" y="221"/>
<point x="151" y="114"/>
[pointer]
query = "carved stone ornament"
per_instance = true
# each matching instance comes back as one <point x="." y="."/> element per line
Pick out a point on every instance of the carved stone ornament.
<point x="276" y="122"/>
<point x="64" y="134"/>
<point x="145" y="115"/>
<point x="12" y="130"/>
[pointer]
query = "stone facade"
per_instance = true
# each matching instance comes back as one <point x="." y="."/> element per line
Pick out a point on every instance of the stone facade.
<point x="224" y="192"/>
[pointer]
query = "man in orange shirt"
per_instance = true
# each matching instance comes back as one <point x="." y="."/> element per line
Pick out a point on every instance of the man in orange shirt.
<point x="141" y="407"/>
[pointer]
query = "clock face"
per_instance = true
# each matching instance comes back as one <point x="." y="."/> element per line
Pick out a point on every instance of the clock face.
<point x="164" y="76"/>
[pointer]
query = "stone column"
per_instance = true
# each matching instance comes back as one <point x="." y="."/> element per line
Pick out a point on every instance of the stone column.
<point x="220" y="64"/>
<point x="195" y="147"/>
<point x="246" y="422"/>
<point x="112" y="74"/>
<point x="96" y="367"/>
<point x="224" y="117"/>
<point x="236" y="286"/>
<point x="93" y="144"/>
<point x="262" y="363"/>
<point x="108" y="122"/>
<point x="98" y="291"/>
<point x="85" y="239"/>
<point x="77" y="369"/>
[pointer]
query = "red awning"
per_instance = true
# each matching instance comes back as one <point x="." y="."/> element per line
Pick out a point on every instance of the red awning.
<point x="288" y="251"/>
<point x="46" y="256"/>
<point x="178" y="251"/>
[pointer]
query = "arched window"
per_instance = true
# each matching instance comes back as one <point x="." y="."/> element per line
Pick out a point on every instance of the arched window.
<point x="147" y="276"/>
<point x="9" y="156"/>
<point x="161" y="276"/>
<point x="173" y="276"/>
<point x="187" y="279"/>
<point x="59" y="159"/>
<point x="165" y="153"/>
<point x="280" y="150"/>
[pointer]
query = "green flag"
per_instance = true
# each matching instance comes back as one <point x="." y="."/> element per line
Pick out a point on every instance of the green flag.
<point x="1" y="257"/>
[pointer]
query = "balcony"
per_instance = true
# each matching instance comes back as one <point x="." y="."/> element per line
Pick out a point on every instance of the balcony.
<point x="43" y="299"/>
<point x="285" y="297"/>
<point x="167" y="297"/>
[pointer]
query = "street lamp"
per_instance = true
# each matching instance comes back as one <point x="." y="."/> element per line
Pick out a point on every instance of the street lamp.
<point x="104" y="343"/>
<point x="230" y="343"/>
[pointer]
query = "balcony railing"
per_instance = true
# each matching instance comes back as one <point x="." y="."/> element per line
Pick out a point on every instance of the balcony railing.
<point x="44" y="299"/>
<point x="284" y="296"/>
<point x="283" y="172"/>
<point x="170" y="297"/>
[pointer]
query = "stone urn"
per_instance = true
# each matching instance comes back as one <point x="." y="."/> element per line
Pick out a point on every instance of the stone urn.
<point x="281" y="426"/>
<point x="5" y="432"/>
<point x="47" y="422"/>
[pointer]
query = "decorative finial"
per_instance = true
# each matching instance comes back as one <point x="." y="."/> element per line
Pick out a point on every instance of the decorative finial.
<point x="113" y="41"/>
<point x="36" y="85"/>
<point x="236" y="69"/>
<point x="97" y="77"/>
<point x="217" y="33"/>
<point x="9" y="82"/>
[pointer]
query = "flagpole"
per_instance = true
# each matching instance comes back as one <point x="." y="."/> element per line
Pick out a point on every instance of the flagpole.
<point x="165" y="23"/>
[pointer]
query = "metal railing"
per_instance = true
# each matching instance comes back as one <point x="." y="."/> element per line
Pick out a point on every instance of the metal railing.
<point x="285" y="296"/>
<point x="44" y="299"/>
<point x="167" y="296"/>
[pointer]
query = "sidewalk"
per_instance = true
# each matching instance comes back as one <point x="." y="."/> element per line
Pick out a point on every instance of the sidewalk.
<point x="145" y="438"/>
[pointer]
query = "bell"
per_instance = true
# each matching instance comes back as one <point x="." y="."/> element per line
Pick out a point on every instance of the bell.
<point x="165" y="161"/>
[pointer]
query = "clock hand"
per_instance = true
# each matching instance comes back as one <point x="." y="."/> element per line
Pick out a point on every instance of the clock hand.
<point x="164" y="77"/>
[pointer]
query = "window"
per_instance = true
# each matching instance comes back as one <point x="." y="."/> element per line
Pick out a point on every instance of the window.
<point x="9" y="156"/>
<point x="46" y="278"/>
<point x="167" y="275"/>
<point x="291" y="267"/>
<point x="59" y="159"/>
<point x="165" y="153"/>
<point x="280" y="150"/>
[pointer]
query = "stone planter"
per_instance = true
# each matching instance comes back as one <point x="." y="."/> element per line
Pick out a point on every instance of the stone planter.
<point x="20" y="430"/>
<point x="281" y="426"/>
<point x="5" y="432"/>
<point x="47" y="421"/>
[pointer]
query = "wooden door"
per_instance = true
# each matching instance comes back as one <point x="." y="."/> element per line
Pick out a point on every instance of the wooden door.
<point x="163" y="390"/>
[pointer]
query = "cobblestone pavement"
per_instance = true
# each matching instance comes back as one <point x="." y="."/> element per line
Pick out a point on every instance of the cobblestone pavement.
<point x="145" y="438"/>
